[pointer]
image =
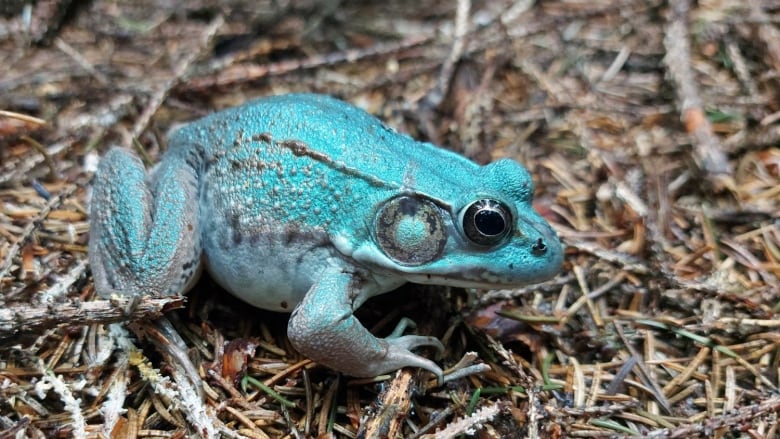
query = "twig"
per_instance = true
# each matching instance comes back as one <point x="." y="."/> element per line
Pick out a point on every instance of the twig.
<point x="13" y="428"/>
<point x="80" y="60"/>
<point x="436" y="95"/>
<point x="767" y="32"/>
<point x="116" y="391"/>
<point x="179" y="71"/>
<point x="243" y="73"/>
<point x="744" y="416"/>
<point x="29" y="318"/>
<point x="70" y="403"/>
<point x="741" y="68"/>
<point x="392" y="408"/>
<point x="467" y="425"/>
<point x="707" y="149"/>
<point x="47" y="158"/>
<point x="23" y="117"/>
<point x="180" y="395"/>
<point x="647" y="377"/>
<point x="624" y="261"/>
<point x="62" y="284"/>
<point x="434" y="421"/>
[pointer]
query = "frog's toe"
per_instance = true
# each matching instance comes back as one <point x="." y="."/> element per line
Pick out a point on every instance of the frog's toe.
<point x="403" y="324"/>
<point x="410" y="342"/>
<point x="399" y="354"/>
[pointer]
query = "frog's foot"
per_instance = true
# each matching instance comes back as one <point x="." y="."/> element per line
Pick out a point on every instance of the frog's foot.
<point x="399" y="355"/>
<point x="323" y="328"/>
<point x="377" y="357"/>
<point x="403" y="324"/>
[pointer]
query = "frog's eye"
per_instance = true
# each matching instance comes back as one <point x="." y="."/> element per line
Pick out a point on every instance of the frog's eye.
<point x="410" y="230"/>
<point x="487" y="221"/>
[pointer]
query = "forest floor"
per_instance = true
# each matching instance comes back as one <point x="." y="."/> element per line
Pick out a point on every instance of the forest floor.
<point x="652" y="131"/>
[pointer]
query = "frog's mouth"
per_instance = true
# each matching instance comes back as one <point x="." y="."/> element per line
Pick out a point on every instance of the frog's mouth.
<point x="481" y="279"/>
<point x="543" y="262"/>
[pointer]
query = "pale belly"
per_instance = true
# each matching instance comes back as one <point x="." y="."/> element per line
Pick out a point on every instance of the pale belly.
<point x="270" y="270"/>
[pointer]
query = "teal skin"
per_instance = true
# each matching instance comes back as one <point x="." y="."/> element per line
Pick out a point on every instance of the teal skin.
<point x="307" y="204"/>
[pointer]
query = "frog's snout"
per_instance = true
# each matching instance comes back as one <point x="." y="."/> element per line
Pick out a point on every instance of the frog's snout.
<point x="546" y="248"/>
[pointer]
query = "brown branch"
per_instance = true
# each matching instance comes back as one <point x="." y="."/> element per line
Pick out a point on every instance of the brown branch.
<point x="738" y="419"/>
<point x="392" y="409"/>
<point x="233" y="75"/>
<point x="180" y="70"/>
<point x="707" y="149"/>
<point x="436" y="95"/>
<point x="29" y="318"/>
<point x="767" y="33"/>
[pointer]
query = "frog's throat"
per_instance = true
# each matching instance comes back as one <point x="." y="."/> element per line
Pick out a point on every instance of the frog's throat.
<point x="300" y="149"/>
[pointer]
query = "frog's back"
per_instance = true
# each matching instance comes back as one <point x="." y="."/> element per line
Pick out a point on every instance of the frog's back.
<point x="293" y="183"/>
<point x="333" y="132"/>
<point x="289" y="182"/>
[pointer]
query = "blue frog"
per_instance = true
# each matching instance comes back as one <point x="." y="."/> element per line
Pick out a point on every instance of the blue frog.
<point x="306" y="204"/>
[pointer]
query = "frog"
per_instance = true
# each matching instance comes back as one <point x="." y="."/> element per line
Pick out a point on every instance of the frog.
<point x="306" y="204"/>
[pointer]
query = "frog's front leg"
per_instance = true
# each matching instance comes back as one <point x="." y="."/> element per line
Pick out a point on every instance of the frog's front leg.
<point x="323" y="328"/>
<point x="144" y="235"/>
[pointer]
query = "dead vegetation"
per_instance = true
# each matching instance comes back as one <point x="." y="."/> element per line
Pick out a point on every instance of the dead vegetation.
<point x="651" y="128"/>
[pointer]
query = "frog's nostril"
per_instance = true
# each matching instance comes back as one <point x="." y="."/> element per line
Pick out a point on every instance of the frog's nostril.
<point x="539" y="248"/>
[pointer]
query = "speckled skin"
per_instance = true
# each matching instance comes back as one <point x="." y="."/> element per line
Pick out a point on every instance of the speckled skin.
<point x="287" y="201"/>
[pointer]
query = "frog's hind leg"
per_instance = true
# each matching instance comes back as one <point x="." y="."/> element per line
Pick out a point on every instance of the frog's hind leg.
<point x="145" y="240"/>
<point x="144" y="235"/>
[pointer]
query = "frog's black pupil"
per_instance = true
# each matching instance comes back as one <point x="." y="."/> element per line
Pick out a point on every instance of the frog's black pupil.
<point x="489" y="222"/>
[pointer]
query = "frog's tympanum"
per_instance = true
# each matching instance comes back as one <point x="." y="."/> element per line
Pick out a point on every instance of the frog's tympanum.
<point x="304" y="203"/>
